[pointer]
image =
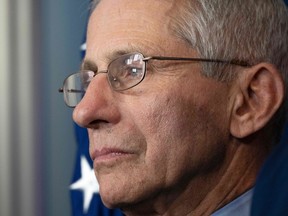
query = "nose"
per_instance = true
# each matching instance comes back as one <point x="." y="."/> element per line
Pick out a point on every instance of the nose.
<point x="98" y="106"/>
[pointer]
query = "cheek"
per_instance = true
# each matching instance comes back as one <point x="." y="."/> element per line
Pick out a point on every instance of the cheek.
<point x="181" y="134"/>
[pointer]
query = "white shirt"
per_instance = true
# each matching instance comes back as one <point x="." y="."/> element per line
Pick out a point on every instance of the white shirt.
<point x="239" y="207"/>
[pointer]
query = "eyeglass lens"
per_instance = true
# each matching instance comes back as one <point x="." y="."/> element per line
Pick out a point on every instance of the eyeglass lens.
<point x="123" y="73"/>
<point x="126" y="71"/>
<point x="75" y="87"/>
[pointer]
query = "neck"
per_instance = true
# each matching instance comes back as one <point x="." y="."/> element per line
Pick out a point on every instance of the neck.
<point x="205" y="194"/>
<point x="239" y="177"/>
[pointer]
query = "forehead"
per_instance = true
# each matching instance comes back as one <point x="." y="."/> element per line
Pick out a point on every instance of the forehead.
<point x="127" y="24"/>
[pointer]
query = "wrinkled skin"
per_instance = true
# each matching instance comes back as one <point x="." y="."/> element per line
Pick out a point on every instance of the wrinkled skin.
<point x="162" y="146"/>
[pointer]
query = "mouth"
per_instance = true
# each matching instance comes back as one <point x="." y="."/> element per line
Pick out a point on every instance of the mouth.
<point x="109" y="155"/>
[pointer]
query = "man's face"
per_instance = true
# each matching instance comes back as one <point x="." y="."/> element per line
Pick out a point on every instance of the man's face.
<point x="164" y="135"/>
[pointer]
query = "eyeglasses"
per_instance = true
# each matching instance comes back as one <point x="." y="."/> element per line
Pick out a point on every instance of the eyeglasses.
<point x="123" y="73"/>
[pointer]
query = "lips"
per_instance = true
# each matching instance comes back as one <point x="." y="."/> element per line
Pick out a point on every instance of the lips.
<point x="108" y="153"/>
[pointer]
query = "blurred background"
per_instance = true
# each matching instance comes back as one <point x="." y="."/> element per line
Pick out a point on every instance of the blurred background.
<point x="39" y="47"/>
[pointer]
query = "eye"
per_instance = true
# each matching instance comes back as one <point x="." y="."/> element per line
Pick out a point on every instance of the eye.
<point x="126" y="71"/>
<point x="132" y="71"/>
<point x="133" y="66"/>
<point x="126" y="76"/>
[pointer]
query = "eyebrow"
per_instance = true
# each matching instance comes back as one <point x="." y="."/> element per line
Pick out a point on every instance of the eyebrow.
<point x="88" y="64"/>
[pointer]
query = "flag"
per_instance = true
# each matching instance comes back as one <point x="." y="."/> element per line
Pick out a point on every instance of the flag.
<point x="84" y="189"/>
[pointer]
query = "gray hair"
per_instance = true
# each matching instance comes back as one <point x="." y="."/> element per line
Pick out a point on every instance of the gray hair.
<point x="250" y="30"/>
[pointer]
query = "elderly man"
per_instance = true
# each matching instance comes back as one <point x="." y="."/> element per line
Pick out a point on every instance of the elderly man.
<point x="183" y="101"/>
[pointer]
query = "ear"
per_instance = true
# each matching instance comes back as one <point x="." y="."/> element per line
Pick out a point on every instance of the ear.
<point x="258" y="95"/>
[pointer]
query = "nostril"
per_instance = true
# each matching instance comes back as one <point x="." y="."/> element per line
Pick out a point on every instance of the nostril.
<point x="97" y="123"/>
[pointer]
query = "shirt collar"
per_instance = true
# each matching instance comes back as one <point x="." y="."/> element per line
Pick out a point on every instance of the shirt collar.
<point x="238" y="207"/>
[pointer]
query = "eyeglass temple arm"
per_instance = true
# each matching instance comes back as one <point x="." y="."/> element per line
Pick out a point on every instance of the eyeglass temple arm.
<point x="233" y="61"/>
<point x="71" y="90"/>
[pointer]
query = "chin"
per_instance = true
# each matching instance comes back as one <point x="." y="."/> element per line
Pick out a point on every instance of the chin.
<point x="114" y="200"/>
<point x="114" y="196"/>
<point x="110" y="191"/>
<point x="128" y="205"/>
<point x="125" y="194"/>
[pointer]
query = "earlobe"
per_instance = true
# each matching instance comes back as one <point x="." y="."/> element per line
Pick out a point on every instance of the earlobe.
<point x="258" y="96"/>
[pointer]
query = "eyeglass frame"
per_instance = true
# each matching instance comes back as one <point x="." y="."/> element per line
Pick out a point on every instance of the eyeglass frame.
<point x="235" y="62"/>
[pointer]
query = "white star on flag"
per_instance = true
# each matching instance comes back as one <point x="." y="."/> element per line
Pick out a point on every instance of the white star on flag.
<point x="83" y="47"/>
<point x="87" y="183"/>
